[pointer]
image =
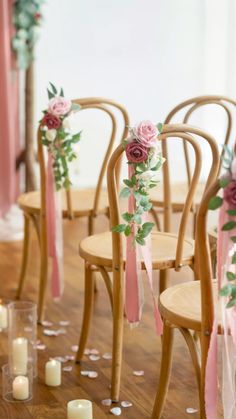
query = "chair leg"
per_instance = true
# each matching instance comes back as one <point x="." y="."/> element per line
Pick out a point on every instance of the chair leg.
<point x="164" y="276"/>
<point x="25" y="256"/>
<point x="43" y="282"/>
<point x="88" y="310"/>
<point x="90" y="233"/>
<point x="166" y="362"/>
<point x="117" y="347"/>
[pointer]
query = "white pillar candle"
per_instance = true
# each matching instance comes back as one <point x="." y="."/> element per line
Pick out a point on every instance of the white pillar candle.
<point x="53" y="373"/>
<point x="20" y="356"/>
<point x="79" y="409"/>
<point x="3" y="317"/>
<point x="20" y="388"/>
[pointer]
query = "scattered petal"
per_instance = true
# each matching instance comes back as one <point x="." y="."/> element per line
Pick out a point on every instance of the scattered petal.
<point x="191" y="410"/>
<point x="92" y="374"/>
<point x="28" y="329"/>
<point x="138" y="373"/>
<point x="74" y="348"/>
<point x="94" y="357"/>
<point x="70" y="357"/>
<point x="61" y="331"/>
<point x="125" y="403"/>
<point x="64" y="323"/>
<point x="46" y="323"/>
<point x="48" y="332"/>
<point x="61" y="359"/>
<point x="87" y="351"/>
<point x="106" y="402"/>
<point x="84" y="373"/>
<point x="116" y="411"/>
<point x="41" y="346"/>
<point x="67" y="369"/>
<point x="94" y="352"/>
<point x="107" y="355"/>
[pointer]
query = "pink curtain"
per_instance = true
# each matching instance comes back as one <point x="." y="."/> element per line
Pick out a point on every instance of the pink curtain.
<point x="9" y="119"/>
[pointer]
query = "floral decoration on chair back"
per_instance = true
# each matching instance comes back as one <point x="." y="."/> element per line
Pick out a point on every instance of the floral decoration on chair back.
<point x="57" y="134"/>
<point x="144" y="160"/>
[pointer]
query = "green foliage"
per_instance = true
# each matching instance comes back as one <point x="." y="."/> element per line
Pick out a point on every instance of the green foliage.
<point x="61" y="148"/>
<point x="26" y="19"/>
<point x="215" y="202"/>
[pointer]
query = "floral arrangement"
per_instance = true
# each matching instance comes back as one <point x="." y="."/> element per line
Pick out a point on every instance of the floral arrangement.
<point x="144" y="161"/>
<point x="57" y="134"/>
<point x="228" y="184"/>
<point x="27" y="18"/>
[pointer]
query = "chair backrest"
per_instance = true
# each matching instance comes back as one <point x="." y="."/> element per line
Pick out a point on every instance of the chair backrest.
<point x="106" y="106"/>
<point x="204" y="271"/>
<point x="188" y="108"/>
<point x="174" y="132"/>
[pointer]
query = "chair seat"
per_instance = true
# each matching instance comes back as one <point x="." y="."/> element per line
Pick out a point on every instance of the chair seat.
<point x="82" y="202"/>
<point x="178" y="195"/>
<point x="181" y="304"/>
<point x="97" y="249"/>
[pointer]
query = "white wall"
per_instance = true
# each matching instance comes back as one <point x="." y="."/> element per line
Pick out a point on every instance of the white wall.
<point x="148" y="55"/>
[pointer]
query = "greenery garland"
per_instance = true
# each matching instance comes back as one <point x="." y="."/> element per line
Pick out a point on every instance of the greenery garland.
<point x="27" y="18"/>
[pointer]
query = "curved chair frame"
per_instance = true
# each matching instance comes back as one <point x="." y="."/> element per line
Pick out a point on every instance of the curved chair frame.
<point x="115" y="260"/>
<point x="38" y="219"/>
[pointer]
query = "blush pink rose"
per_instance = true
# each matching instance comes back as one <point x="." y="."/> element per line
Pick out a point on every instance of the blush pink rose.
<point x="136" y="152"/>
<point x="59" y="106"/>
<point x="230" y="194"/>
<point x="146" y="133"/>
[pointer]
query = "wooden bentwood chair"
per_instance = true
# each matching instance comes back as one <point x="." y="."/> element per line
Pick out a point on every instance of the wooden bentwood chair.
<point x="190" y="307"/>
<point x="185" y="111"/>
<point x="105" y="251"/>
<point x="76" y="203"/>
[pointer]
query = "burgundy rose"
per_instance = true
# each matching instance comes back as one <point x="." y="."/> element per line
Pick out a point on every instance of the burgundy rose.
<point x="51" y="121"/>
<point x="230" y="194"/>
<point x="136" y="152"/>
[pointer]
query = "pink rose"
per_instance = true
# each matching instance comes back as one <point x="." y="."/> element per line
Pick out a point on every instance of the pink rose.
<point x="233" y="168"/>
<point x="136" y="152"/>
<point x="146" y="133"/>
<point x="59" y="106"/>
<point x="230" y="194"/>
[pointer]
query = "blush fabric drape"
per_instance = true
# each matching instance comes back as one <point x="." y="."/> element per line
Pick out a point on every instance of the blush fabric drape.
<point x="9" y="119"/>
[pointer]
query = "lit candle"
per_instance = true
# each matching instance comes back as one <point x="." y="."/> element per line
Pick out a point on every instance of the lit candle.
<point x="79" y="409"/>
<point x="20" y="356"/>
<point x="20" y="388"/>
<point x="3" y="317"/>
<point x="53" y="373"/>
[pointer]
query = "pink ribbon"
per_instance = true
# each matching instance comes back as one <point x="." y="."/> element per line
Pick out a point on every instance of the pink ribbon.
<point x="54" y="231"/>
<point x="224" y="247"/>
<point x="133" y="282"/>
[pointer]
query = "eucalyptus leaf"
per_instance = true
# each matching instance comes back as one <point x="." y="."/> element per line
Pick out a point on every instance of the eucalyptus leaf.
<point x="125" y="193"/>
<point x="120" y="228"/>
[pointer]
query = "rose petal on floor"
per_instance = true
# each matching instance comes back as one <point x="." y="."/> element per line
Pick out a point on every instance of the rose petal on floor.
<point x="70" y="357"/>
<point x="41" y="346"/>
<point x="116" y="411"/>
<point x="74" y="348"/>
<point x="49" y="332"/>
<point x="87" y="351"/>
<point x="94" y="351"/>
<point x="138" y="373"/>
<point x="84" y="373"/>
<point x="46" y="323"/>
<point x="64" y="323"/>
<point x="61" y="359"/>
<point x="106" y="402"/>
<point x="94" y="357"/>
<point x="191" y="410"/>
<point x="125" y="403"/>
<point x="67" y="369"/>
<point x="61" y="331"/>
<point x="107" y="355"/>
<point x="92" y="374"/>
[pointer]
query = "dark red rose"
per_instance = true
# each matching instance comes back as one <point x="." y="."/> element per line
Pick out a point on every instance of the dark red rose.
<point x="136" y="152"/>
<point x="230" y="194"/>
<point x="51" y="121"/>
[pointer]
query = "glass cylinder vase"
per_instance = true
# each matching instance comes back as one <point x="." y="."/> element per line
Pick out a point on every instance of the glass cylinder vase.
<point x="22" y="337"/>
<point x="17" y="388"/>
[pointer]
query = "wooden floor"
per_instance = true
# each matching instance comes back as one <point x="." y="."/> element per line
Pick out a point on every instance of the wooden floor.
<point x="142" y="347"/>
